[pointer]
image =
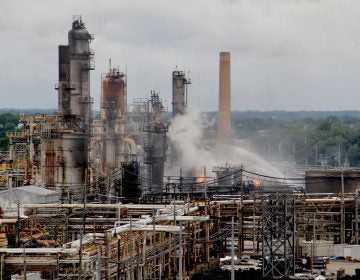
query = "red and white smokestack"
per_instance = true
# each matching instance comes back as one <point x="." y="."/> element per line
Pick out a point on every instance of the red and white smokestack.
<point x="224" y="114"/>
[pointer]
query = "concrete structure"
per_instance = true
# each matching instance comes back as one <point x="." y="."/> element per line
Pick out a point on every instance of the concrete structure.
<point x="347" y="250"/>
<point x="224" y="114"/>
<point x="319" y="248"/>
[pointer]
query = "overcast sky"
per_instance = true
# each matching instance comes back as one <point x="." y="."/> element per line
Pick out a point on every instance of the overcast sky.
<point x="285" y="54"/>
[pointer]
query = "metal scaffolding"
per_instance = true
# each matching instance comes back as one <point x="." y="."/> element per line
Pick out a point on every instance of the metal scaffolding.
<point x="278" y="235"/>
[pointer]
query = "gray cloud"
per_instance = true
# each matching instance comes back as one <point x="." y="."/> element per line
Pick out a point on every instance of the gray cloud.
<point x="285" y="54"/>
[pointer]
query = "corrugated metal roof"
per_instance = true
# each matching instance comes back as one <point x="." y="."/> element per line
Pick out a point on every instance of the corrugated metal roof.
<point x="35" y="190"/>
<point x="29" y="194"/>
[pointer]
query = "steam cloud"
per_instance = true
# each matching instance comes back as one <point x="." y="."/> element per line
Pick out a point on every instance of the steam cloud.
<point x="186" y="134"/>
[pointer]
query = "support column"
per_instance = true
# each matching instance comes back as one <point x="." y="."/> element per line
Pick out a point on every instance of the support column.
<point x="357" y="217"/>
<point x="342" y="218"/>
<point x="240" y="232"/>
<point x="2" y="266"/>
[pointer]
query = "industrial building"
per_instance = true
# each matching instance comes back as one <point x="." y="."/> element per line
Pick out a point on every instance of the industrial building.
<point x="90" y="198"/>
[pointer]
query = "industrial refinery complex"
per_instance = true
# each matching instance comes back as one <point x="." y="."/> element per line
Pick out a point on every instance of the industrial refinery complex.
<point x="111" y="196"/>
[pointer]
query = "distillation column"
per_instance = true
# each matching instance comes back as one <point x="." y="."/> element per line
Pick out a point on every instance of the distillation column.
<point x="113" y="104"/>
<point x="117" y="150"/>
<point x="156" y="143"/>
<point x="75" y="63"/>
<point x="180" y="83"/>
<point x="179" y="105"/>
<point x="67" y="140"/>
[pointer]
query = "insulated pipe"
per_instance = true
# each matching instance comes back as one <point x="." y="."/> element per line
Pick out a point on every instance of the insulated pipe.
<point x="108" y="206"/>
<point x="132" y="145"/>
<point x="8" y="221"/>
<point x="251" y="201"/>
<point x="73" y="206"/>
<point x="19" y="261"/>
<point x="191" y="210"/>
<point x="182" y="218"/>
<point x="163" y="228"/>
<point x="184" y="209"/>
<point x="87" y="238"/>
<point x="70" y="251"/>
<point x="2" y="266"/>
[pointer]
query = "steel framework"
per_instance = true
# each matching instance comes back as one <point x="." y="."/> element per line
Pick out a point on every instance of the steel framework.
<point x="278" y="236"/>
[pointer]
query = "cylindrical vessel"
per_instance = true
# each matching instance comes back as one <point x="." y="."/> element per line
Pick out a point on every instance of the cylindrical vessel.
<point x="71" y="159"/>
<point x="113" y="95"/>
<point x="224" y="114"/>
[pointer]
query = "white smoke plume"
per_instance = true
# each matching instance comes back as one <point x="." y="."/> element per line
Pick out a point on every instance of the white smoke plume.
<point x="186" y="134"/>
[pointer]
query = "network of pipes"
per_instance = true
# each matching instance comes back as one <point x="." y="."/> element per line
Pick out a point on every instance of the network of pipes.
<point x="138" y="193"/>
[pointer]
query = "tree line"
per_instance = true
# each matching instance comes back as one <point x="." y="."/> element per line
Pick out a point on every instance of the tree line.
<point x="332" y="141"/>
<point x="307" y="138"/>
<point x="8" y="122"/>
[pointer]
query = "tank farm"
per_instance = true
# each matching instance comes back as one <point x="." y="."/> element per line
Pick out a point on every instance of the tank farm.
<point x="93" y="198"/>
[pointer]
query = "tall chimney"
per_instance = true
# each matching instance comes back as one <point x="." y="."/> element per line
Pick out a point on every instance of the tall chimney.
<point x="224" y="114"/>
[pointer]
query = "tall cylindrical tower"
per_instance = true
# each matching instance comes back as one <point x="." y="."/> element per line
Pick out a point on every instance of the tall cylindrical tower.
<point x="113" y="105"/>
<point x="67" y="139"/>
<point x="75" y="63"/>
<point x="113" y="97"/>
<point x="179" y="106"/>
<point x="224" y="114"/>
<point x="179" y="101"/>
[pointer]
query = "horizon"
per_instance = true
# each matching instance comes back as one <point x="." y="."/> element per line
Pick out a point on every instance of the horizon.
<point x="285" y="55"/>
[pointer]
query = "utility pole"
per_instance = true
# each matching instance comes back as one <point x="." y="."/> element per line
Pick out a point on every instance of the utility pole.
<point x="83" y="224"/>
<point x="232" y="250"/>
<point x="313" y="246"/>
<point x="98" y="265"/>
<point x="207" y="230"/>
<point x="342" y="237"/>
<point x="118" y="258"/>
<point x="180" y="253"/>
<point x="339" y="154"/>
<point x="205" y="186"/>
<point x="240" y="229"/>
<point x="240" y="217"/>
<point x="357" y="217"/>
<point x="24" y="265"/>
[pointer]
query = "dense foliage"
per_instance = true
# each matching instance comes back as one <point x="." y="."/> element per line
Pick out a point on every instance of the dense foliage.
<point x="333" y="141"/>
<point x="8" y="122"/>
<point x="309" y="138"/>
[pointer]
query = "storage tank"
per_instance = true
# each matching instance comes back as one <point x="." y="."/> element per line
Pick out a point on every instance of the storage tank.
<point x="72" y="160"/>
